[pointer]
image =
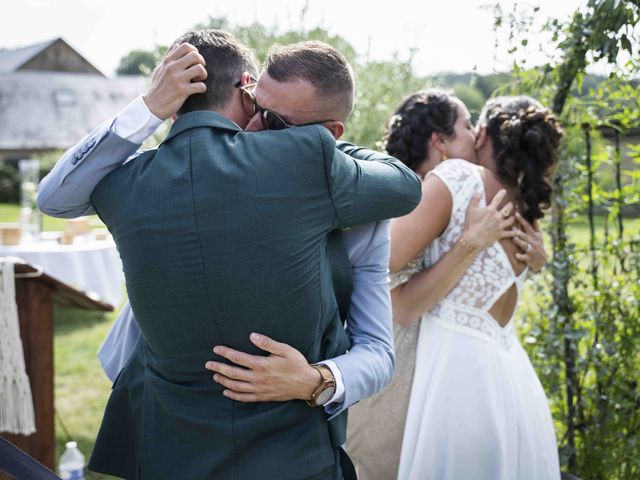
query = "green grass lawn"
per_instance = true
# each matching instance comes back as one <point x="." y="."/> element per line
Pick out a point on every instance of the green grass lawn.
<point x="82" y="389"/>
<point x="10" y="213"/>
<point x="579" y="231"/>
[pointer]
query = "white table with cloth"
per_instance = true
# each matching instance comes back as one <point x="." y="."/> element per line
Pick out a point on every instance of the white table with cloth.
<point x="92" y="266"/>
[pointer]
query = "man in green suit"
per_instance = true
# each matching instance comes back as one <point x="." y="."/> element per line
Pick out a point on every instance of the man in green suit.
<point x="221" y="234"/>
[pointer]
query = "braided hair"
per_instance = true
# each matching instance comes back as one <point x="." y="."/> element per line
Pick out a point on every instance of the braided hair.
<point x="525" y="138"/>
<point x="413" y="122"/>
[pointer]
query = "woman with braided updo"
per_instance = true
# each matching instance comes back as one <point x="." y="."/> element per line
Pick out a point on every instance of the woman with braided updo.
<point x="476" y="408"/>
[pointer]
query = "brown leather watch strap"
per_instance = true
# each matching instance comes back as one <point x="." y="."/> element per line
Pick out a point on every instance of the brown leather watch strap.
<point x="325" y="389"/>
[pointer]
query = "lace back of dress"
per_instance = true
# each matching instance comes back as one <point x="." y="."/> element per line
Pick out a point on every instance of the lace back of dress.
<point x="490" y="275"/>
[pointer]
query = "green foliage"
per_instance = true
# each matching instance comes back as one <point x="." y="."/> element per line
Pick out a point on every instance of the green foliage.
<point x="380" y="86"/>
<point x="603" y="328"/>
<point x="10" y="175"/>
<point x="9" y="184"/>
<point x="472" y="97"/>
<point x="261" y="38"/>
<point x="581" y="325"/>
<point x="140" y="62"/>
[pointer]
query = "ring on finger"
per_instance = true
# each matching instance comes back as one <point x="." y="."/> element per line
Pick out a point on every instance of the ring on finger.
<point x="529" y="247"/>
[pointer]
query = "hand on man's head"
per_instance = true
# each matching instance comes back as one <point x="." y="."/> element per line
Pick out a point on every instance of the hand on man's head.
<point x="181" y="73"/>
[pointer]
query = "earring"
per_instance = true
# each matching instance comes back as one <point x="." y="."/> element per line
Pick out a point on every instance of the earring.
<point x="444" y="157"/>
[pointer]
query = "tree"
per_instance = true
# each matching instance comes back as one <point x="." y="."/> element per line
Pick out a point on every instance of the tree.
<point x="140" y="62"/>
<point x="587" y="338"/>
<point x="380" y="85"/>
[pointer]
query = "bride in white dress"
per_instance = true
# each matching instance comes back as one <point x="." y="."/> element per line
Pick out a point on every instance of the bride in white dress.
<point x="477" y="409"/>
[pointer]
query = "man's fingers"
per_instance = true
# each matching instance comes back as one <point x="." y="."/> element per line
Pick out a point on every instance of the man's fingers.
<point x="196" y="73"/>
<point x="180" y="51"/>
<point x="239" y="358"/>
<point x="498" y="198"/>
<point x="230" y="371"/>
<point x="168" y="55"/>
<point x="191" y="58"/>
<point x="269" y="345"/>
<point x="241" y="397"/>
<point x="197" y="87"/>
<point x="235" y="385"/>
<point x="523" y="257"/>
<point x="155" y="73"/>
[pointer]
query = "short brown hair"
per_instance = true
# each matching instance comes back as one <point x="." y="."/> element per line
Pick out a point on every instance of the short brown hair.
<point x="319" y="64"/>
<point x="226" y="59"/>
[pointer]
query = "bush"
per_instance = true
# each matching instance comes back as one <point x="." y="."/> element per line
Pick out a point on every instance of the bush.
<point x="9" y="184"/>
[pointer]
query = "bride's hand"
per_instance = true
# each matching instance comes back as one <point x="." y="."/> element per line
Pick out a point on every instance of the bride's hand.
<point x="283" y="375"/>
<point x="531" y="243"/>
<point x="484" y="226"/>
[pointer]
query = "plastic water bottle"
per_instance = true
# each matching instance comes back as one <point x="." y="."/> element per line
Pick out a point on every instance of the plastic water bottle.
<point x="72" y="463"/>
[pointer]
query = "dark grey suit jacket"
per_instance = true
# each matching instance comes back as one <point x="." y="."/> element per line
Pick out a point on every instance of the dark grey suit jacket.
<point x="222" y="233"/>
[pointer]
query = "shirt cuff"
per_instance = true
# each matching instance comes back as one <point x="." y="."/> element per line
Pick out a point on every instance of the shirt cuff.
<point x="339" y="395"/>
<point x="136" y="123"/>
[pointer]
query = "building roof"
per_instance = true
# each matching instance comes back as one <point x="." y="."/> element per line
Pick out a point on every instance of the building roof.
<point x="52" y="110"/>
<point x="52" y="55"/>
<point x="12" y="60"/>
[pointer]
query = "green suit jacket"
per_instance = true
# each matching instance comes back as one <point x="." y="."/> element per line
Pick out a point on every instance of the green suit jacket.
<point x="222" y="233"/>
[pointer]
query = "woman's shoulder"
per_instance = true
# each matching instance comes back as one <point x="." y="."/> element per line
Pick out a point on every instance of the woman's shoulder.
<point x="456" y="165"/>
<point x="457" y="171"/>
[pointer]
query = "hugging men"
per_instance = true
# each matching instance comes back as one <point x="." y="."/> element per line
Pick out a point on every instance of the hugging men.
<point x="223" y="233"/>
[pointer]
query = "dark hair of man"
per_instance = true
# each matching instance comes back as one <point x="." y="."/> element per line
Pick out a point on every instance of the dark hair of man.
<point x="525" y="138"/>
<point x="319" y="64"/>
<point x="413" y="122"/>
<point x="226" y="59"/>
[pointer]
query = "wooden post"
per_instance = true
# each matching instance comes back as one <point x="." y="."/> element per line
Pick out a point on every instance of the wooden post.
<point x="35" y="310"/>
<point x="35" y="298"/>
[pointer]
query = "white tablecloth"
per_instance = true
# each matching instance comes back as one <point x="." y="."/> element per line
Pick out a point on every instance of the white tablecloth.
<point x="90" y="267"/>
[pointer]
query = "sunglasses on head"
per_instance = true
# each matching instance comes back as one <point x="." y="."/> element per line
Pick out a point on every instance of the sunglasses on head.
<point x="270" y="119"/>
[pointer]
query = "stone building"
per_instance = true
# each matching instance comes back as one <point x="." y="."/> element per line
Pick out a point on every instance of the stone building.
<point x="51" y="97"/>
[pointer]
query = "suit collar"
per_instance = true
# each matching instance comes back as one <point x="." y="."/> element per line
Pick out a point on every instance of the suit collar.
<point x="201" y="118"/>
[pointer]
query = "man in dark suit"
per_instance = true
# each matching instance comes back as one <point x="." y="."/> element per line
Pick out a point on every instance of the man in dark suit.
<point x="221" y="234"/>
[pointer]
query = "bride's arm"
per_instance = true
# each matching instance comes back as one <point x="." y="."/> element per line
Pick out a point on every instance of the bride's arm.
<point x="411" y="234"/>
<point x="483" y="226"/>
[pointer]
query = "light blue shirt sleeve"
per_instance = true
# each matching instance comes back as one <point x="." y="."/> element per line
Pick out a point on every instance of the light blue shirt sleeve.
<point x="117" y="347"/>
<point x="368" y="366"/>
<point x="65" y="192"/>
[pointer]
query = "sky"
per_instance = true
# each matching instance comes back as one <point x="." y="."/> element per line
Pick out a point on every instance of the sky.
<point x="449" y="35"/>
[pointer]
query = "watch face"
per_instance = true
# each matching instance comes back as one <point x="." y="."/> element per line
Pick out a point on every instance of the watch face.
<point x="324" y="396"/>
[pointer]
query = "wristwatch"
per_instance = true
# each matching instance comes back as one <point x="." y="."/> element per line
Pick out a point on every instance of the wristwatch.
<point x="325" y="389"/>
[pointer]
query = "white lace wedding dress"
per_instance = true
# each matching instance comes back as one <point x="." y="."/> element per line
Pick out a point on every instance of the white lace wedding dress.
<point x="477" y="409"/>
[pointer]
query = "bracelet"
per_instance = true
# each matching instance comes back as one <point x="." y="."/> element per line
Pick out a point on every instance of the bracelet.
<point x="468" y="247"/>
